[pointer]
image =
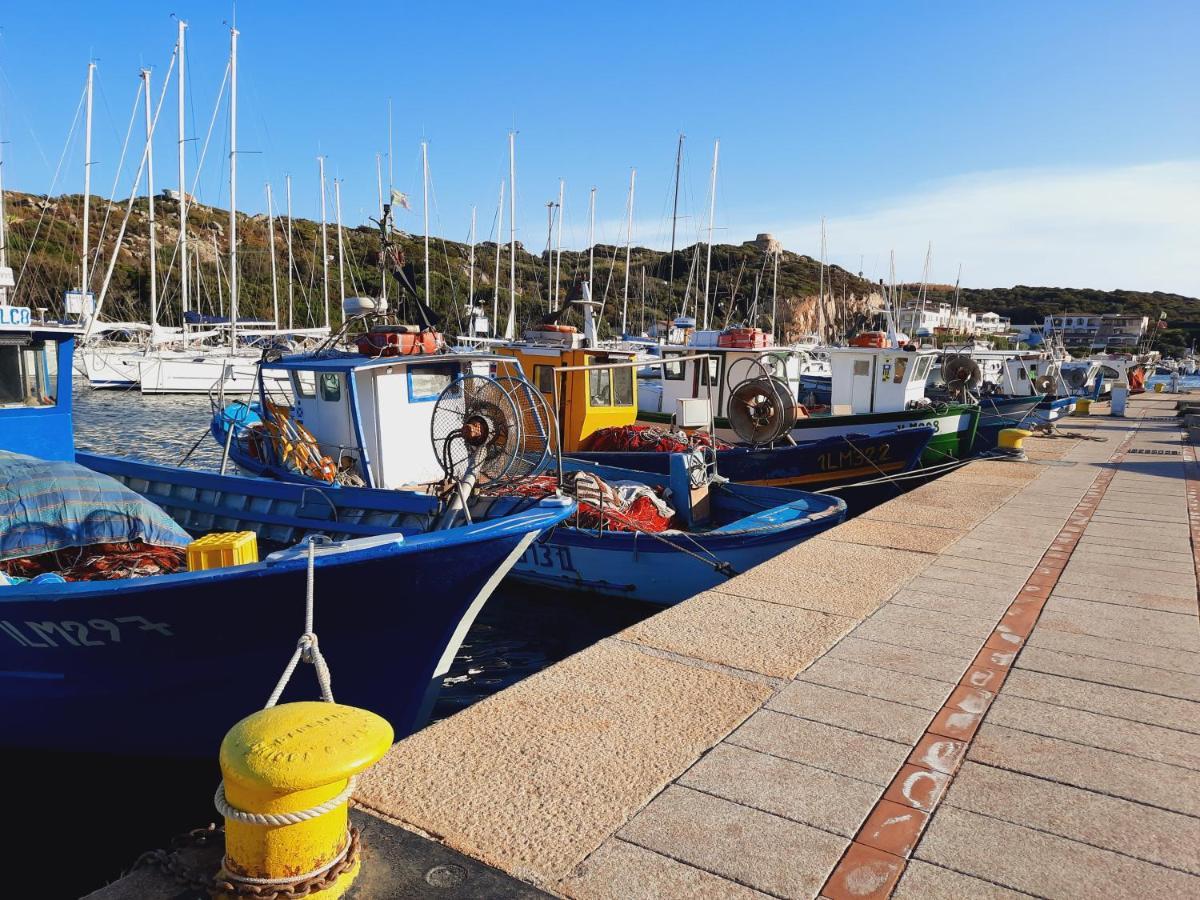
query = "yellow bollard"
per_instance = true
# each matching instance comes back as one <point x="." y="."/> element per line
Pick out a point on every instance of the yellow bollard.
<point x="1083" y="407"/>
<point x="288" y="774"/>
<point x="1159" y="388"/>
<point x="1011" y="439"/>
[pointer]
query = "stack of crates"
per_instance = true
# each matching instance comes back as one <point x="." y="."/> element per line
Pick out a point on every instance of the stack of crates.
<point x="221" y="550"/>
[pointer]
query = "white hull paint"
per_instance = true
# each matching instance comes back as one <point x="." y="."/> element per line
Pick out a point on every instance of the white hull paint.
<point x="193" y="374"/>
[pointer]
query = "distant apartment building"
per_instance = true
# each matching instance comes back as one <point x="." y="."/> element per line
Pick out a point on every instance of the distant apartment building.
<point x="1097" y="332"/>
<point x="943" y="317"/>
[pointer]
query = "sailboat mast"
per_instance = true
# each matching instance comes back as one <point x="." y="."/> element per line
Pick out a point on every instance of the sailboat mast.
<point x="674" y="222"/>
<point x="324" y="242"/>
<point x="592" y="236"/>
<point x="150" y="208"/>
<point x="471" y="272"/>
<point x="184" y="300"/>
<point x="511" y="326"/>
<point x="558" y="263"/>
<point x="233" y="273"/>
<point x="5" y="272"/>
<point x="712" y="210"/>
<point x="379" y="184"/>
<point x="337" y="208"/>
<point x="775" y="292"/>
<point x="628" y="248"/>
<point x="549" y="257"/>
<point x="821" y="291"/>
<point x="271" y="245"/>
<point x="291" y="262"/>
<point x="496" y="281"/>
<point x="87" y="182"/>
<point x="425" y="182"/>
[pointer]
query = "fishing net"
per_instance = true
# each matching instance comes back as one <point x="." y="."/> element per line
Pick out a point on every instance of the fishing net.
<point x="619" y="506"/>
<point x="647" y="439"/>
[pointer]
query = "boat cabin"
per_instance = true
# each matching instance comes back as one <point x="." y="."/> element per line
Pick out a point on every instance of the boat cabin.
<point x="877" y="379"/>
<point x="35" y="385"/>
<point x="586" y="400"/>
<point x="360" y="419"/>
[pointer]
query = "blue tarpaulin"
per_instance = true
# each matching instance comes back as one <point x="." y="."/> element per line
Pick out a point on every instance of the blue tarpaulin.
<point x="48" y="505"/>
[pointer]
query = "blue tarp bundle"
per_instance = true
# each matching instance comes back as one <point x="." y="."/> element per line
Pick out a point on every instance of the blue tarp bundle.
<point x="48" y="505"/>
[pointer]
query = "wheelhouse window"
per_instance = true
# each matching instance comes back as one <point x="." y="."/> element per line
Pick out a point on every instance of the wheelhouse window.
<point x="710" y="371"/>
<point x="622" y="380"/>
<point x="331" y="387"/>
<point x="901" y="368"/>
<point x="426" y="383"/>
<point x="543" y="378"/>
<point x="672" y="371"/>
<point x="29" y="374"/>
<point x="922" y="367"/>
<point x="304" y="383"/>
<point x="600" y="387"/>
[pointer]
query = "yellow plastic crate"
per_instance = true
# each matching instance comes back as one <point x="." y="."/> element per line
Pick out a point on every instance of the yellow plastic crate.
<point x="222" y="549"/>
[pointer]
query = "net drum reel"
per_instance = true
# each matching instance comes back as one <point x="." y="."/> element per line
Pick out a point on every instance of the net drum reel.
<point x="488" y="430"/>
<point x="962" y="375"/>
<point x="762" y="410"/>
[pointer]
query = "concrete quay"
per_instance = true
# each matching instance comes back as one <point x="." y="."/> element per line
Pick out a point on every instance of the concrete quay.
<point x="988" y="687"/>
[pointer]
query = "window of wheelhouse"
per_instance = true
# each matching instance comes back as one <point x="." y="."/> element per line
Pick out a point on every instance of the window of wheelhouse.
<point x="609" y="387"/>
<point x="29" y="374"/>
<point x="304" y="383"/>
<point x="426" y="383"/>
<point x="710" y="371"/>
<point x="672" y="371"/>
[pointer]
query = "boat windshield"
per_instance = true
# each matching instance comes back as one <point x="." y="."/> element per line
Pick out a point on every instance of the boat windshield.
<point x="28" y="374"/>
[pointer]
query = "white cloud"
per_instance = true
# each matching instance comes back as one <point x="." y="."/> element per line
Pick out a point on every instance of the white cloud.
<point x="1134" y="227"/>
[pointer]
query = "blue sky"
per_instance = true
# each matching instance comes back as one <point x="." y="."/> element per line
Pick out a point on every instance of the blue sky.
<point x="1034" y="143"/>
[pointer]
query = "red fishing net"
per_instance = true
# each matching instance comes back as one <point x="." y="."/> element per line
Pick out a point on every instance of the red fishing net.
<point x="100" y="562"/>
<point x="647" y="438"/>
<point x="623" y="507"/>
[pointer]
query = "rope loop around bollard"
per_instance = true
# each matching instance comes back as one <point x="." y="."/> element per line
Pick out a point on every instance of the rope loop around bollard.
<point x="276" y="819"/>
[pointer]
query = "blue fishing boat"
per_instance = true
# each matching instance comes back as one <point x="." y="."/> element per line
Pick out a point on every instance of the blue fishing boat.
<point x="160" y="661"/>
<point x="352" y="408"/>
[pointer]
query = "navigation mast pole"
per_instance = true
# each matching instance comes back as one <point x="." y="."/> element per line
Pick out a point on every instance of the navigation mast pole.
<point x="271" y="245"/>
<point x="184" y="300"/>
<point x="558" y="264"/>
<point x="496" y="281"/>
<point x="425" y="183"/>
<point x="471" y="274"/>
<point x="379" y="184"/>
<point x="324" y="242"/>
<point x="87" y="181"/>
<point x="337" y="209"/>
<point x="674" y="222"/>
<point x="712" y="209"/>
<point x="511" y="327"/>
<point x="233" y="273"/>
<point x="821" y="291"/>
<point x="287" y="181"/>
<point x="549" y="256"/>
<point x="150" y="209"/>
<point x="628" y="248"/>
<point x="592" y="236"/>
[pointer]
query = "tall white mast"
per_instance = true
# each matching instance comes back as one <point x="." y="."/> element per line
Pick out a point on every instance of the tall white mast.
<point x="712" y="209"/>
<point x="87" y="181"/>
<point x="425" y="182"/>
<point x="549" y="256"/>
<point x="233" y="272"/>
<point x="271" y="244"/>
<point x="471" y="273"/>
<point x="592" y="237"/>
<point x="496" y="283"/>
<point x="775" y="292"/>
<point x="821" y="290"/>
<point x="337" y="204"/>
<point x="511" y="327"/>
<point x="324" y="242"/>
<point x="184" y="302"/>
<point x="3" y="237"/>
<point x="674" y="222"/>
<point x="379" y="184"/>
<point x="150" y="208"/>
<point x="628" y="248"/>
<point x="558" y="263"/>
<point x="287" y="182"/>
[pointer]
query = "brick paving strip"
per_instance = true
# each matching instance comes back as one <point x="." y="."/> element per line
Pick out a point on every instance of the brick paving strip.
<point x="880" y="852"/>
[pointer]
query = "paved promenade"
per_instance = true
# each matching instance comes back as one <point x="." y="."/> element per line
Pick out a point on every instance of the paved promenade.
<point x="989" y="687"/>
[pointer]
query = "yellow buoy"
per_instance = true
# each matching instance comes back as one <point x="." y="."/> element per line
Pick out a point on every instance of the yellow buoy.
<point x="1083" y="407"/>
<point x="1159" y="388"/>
<point x="288" y="774"/>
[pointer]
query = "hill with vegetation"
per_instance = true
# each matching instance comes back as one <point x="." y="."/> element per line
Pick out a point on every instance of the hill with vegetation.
<point x="45" y="238"/>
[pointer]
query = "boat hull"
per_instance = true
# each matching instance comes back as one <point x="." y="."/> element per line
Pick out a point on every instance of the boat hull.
<point x="954" y="428"/>
<point x="199" y="374"/>
<point x="671" y="567"/>
<point x="813" y="465"/>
